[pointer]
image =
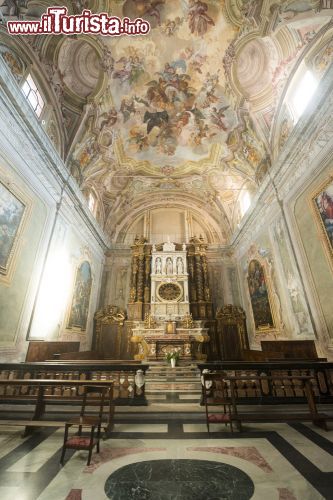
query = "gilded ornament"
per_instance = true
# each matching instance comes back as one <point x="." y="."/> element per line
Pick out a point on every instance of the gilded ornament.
<point x="187" y="321"/>
<point x="132" y="294"/>
<point x="149" y="321"/>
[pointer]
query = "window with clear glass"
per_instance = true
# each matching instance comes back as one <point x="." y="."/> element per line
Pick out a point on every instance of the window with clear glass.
<point x="92" y="203"/>
<point x="303" y="93"/>
<point x="245" y="202"/>
<point x="33" y="95"/>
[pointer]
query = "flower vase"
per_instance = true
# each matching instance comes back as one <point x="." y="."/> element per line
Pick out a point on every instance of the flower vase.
<point x="173" y="362"/>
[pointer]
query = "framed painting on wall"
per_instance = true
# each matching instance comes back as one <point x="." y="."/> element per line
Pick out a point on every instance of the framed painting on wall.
<point x="12" y="210"/>
<point x="259" y="296"/>
<point x="323" y="206"/>
<point x="78" y="314"/>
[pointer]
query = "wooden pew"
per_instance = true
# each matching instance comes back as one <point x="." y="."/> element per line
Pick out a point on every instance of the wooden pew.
<point x="318" y="419"/>
<point x="291" y="349"/>
<point x="80" y="355"/>
<point x="253" y="355"/>
<point x="321" y="374"/>
<point x="122" y="374"/>
<point x="41" y="398"/>
<point x="261" y="382"/>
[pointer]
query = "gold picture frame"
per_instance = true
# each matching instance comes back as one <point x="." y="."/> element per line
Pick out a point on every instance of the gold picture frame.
<point x="14" y="211"/>
<point x="322" y="208"/>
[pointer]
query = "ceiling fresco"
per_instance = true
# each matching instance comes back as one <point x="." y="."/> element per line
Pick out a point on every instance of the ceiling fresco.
<point x="192" y="113"/>
<point x="168" y="87"/>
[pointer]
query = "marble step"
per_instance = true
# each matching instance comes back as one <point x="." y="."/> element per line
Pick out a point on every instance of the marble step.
<point x="177" y="371"/>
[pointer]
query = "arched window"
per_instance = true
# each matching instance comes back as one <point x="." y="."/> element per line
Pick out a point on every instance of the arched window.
<point x="245" y="202"/>
<point x="33" y="95"/>
<point x="301" y="93"/>
<point x="92" y="203"/>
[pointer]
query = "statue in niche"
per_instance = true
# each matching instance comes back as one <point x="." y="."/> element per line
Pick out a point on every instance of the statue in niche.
<point x="180" y="266"/>
<point x="158" y="266"/>
<point x="169" y="266"/>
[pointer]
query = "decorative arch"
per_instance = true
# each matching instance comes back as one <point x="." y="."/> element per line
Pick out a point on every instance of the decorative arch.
<point x="23" y="60"/>
<point x="316" y="57"/>
<point x="214" y="230"/>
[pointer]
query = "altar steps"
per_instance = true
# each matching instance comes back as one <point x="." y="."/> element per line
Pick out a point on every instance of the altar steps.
<point x="179" y="386"/>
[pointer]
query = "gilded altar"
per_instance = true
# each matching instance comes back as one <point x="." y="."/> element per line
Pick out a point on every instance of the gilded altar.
<point x="169" y="284"/>
<point x="155" y="343"/>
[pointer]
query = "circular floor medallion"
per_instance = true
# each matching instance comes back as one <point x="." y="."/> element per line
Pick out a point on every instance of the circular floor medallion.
<point x="179" y="480"/>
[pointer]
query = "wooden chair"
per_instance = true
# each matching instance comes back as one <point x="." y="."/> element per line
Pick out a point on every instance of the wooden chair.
<point x="215" y="392"/>
<point x="86" y="442"/>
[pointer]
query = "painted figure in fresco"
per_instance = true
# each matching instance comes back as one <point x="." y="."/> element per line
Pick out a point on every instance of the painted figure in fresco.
<point x="324" y="58"/>
<point x="156" y="119"/>
<point x="218" y="117"/>
<point x="259" y="295"/>
<point x="130" y="70"/>
<point x="169" y="266"/>
<point x="137" y="139"/>
<point x="285" y="130"/>
<point x="158" y="266"/>
<point x="292" y="10"/>
<point x="198" y="18"/>
<point x="150" y="8"/>
<point x="14" y="63"/>
<point x="180" y="266"/>
<point x="109" y="118"/>
<point x="171" y="26"/>
<point x="127" y="107"/>
<point x="174" y="109"/>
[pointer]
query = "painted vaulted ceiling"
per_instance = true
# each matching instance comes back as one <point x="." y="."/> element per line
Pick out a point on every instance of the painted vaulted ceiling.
<point x="191" y="114"/>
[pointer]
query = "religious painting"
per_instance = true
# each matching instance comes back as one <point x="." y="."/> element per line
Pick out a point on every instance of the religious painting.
<point x="323" y="202"/>
<point x="81" y="297"/>
<point x="261" y="308"/>
<point x="169" y="103"/>
<point x="11" y="217"/>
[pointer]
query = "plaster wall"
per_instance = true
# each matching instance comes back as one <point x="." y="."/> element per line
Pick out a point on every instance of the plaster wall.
<point x="116" y="278"/>
<point x="282" y="229"/>
<point x="318" y="257"/>
<point x="57" y="234"/>
<point x="14" y="288"/>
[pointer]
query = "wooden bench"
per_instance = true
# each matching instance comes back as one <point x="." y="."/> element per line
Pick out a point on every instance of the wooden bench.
<point x="321" y="374"/>
<point x="232" y="383"/>
<point x="126" y="391"/>
<point x="41" y="398"/>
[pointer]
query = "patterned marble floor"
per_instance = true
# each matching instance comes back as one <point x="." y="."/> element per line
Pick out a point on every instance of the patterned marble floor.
<point x="163" y="452"/>
<point x="172" y="461"/>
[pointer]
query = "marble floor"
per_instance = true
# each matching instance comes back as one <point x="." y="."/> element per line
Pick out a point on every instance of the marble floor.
<point x="163" y="452"/>
<point x="171" y="461"/>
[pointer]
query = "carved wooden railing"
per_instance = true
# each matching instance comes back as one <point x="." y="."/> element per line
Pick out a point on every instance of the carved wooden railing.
<point x="128" y="382"/>
<point x="284" y="389"/>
